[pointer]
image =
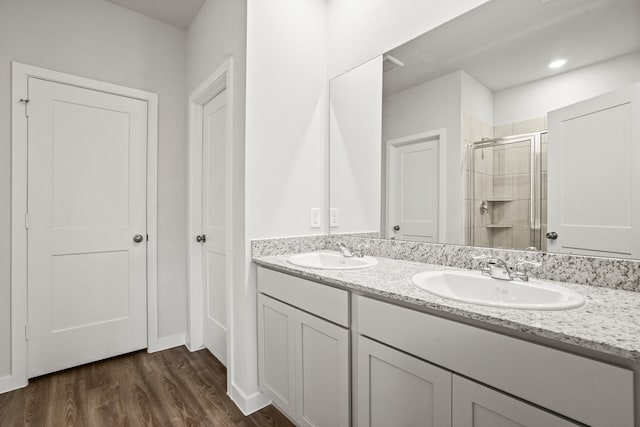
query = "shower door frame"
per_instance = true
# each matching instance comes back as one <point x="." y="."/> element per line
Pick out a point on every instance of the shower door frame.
<point x="535" y="139"/>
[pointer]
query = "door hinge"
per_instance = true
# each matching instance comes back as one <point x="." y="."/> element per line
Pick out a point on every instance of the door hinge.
<point x="25" y="101"/>
<point x="27" y="332"/>
<point x="27" y="221"/>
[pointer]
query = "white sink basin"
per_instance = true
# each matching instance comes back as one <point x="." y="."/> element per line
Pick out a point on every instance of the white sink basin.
<point x="477" y="289"/>
<point x="330" y="260"/>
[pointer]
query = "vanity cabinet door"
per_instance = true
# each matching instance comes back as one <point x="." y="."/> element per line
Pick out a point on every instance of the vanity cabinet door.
<point x="475" y="405"/>
<point x="276" y="353"/>
<point x="322" y="372"/>
<point x="395" y="389"/>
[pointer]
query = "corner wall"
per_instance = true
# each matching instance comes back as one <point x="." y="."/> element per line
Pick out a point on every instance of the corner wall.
<point x="286" y="145"/>
<point x="217" y="32"/>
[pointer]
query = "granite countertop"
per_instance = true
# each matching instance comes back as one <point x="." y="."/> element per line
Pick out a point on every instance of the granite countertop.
<point x="609" y="322"/>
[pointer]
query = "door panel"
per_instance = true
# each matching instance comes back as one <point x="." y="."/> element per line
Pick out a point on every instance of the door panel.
<point x="397" y="389"/>
<point x="98" y="280"/>
<point x="322" y="358"/>
<point x="86" y="201"/>
<point x="414" y="191"/>
<point x="214" y="219"/>
<point x="594" y="195"/>
<point x="475" y="405"/>
<point x="276" y="353"/>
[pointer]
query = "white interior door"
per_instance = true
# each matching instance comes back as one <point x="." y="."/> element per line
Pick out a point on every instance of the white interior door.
<point x="594" y="177"/>
<point x="413" y="187"/>
<point x="214" y="219"/>
<point x="86" y="202"/>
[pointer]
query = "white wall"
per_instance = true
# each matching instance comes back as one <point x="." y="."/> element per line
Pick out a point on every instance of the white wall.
<point x="286" y="141"/>
<point x="426" y="107"/>
<point x="96" y="39"/>
<point x="537" y="98"/>
<point x="360" y="30"/>
<point x="477" y="99"/>
<point x="355" y="131"/>
<point x="218" y="31"/>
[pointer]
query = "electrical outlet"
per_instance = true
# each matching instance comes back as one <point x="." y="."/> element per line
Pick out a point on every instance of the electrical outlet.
<point x="314" y="218"/>
<point x="334" y="217"/>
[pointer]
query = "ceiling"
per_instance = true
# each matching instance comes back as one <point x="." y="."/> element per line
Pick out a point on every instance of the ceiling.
<point x="178" y="13"/>
<point x="505" y="43"/>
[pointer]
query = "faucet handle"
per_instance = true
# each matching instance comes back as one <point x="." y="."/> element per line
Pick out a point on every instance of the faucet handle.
<point x="521" y="262"/>
<point x="484" y="268"/>
<point x="342" y="246"/>
<point x="520" y="268"/>
<point x="360" y="251"/>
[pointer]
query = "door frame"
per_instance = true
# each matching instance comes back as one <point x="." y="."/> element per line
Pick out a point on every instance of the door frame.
<point x="221" y="79"/>
<point x="441" y="135"/>
<point x="20" y="74"/>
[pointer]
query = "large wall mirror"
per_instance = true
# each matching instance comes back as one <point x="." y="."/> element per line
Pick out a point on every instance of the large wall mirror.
<point x="515" y="125"/>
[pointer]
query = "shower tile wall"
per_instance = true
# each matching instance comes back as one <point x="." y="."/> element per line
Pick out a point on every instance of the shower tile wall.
<point x="475" y="130"/>
<point x="512" y="184"/>
<point x="502" y="177"/>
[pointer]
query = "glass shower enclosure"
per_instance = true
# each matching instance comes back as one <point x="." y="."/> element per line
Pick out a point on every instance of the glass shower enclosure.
<point x="508" y="192"/>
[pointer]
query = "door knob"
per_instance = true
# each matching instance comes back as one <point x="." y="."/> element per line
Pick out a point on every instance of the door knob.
<point x="552" y="235"/>
<point x="396" y="228"/>
<point x="201" y="238"/>
<point x="138" y="238"/>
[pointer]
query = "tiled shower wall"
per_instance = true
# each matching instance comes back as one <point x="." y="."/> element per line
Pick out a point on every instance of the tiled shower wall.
<point x="502" y="177"/>
<point x="512" y="196"/>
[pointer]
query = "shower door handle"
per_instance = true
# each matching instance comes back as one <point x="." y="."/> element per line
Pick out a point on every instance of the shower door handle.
<point x="552" y="235"/>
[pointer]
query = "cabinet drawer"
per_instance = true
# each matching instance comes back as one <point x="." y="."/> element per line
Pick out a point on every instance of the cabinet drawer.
<point x="321" y="300"/>
<point x="583" y="389"/>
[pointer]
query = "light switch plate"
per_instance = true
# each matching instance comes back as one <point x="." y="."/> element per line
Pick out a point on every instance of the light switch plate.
<point x="334" y="217"/>
<point x="314" y="218"/>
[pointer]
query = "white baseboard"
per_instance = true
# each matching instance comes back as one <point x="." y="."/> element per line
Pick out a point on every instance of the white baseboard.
<point x="194" y="349"/>
<point x="10" y="383"/>
<point x="165" y="343"/>
<point x="248" y="404"/>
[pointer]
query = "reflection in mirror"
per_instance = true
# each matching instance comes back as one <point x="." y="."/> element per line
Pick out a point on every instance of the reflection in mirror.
<point x="521" y="135"/>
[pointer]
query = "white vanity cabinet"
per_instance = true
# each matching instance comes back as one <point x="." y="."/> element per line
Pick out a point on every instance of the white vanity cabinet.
<point x="397" y="389"/>
<point x="495" y="380"/>
<point x="303" y="349"/>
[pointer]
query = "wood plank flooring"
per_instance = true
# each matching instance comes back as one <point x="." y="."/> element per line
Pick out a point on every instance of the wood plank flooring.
<point x="169" y="388"/>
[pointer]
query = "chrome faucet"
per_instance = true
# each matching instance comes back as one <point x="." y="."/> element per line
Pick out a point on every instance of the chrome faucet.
<point x="520" y="269"/>
<point x="344" y="249"/>
<point x="360" y="252"/>
<point x="498" y="268"/>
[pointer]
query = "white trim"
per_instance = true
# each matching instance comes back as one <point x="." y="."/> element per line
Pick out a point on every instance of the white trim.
<point x="165" y="343"/>
<point x="20" y="74"/>
<point x="221" y="79"/>
<point x="248" y="404"/>
<point x="441" y="134"/>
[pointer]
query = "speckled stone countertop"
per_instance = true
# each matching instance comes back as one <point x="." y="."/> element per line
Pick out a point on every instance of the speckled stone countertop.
<point x="609" y="322"/>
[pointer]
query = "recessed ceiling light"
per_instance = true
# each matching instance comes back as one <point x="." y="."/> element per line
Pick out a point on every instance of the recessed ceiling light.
<point x="557" y="63"/>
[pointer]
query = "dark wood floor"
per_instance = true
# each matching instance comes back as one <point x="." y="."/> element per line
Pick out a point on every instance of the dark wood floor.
<point x="168" y="388"/>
